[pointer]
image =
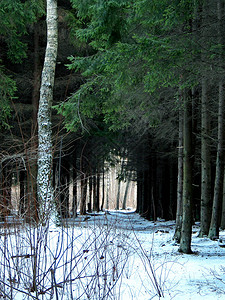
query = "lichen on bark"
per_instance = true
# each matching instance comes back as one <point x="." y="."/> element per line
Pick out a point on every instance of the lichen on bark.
<point x="44" y="177"/>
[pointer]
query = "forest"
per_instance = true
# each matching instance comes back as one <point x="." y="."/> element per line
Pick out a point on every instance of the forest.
<point x="136" y="82"/>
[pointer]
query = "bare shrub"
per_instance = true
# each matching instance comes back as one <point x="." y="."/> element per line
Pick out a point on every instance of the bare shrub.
<point x="49" y="262"/>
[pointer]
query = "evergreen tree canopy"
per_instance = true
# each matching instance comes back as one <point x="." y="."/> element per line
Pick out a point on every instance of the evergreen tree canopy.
<point x="142" y="54"/>
<point x="16" y="16"/>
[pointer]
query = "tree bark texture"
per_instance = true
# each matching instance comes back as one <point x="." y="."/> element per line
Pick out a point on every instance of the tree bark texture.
<point x="205" y="163"/>
<point x="83" y="199"/>
<point x="218" y="187"/>
<point x="186" y="231"/>
<point x="5" y="198"/>
<point x="103" y="188"/>
<point x="172" y="192"/>
<point x="217" y="197"/>
<point x="222" y="225"/>
<point x="74" y="180"/>
<point x="32" y="166"/>
<point x="126" y="193"/>
<point x="98" y="191"/>
<point x="90" y="192"/>
<point x="118" y="195"/>
<point x="22" y="203"/>
<point x="64" y="188"/>
<point x="179" y="211"/>
<point x="36" y="84"/>
<point x="95" y="205"/>
<point x="44" y="178"/>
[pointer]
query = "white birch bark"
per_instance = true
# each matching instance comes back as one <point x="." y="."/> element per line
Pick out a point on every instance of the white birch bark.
<point x="44" y="178"/>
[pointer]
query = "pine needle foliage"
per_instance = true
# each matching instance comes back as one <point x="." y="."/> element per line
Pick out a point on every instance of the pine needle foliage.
<point x="16" y="18"/>
<point x="140" y="48"/>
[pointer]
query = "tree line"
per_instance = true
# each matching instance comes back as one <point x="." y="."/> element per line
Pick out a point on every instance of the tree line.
<point x="143" y="80"/>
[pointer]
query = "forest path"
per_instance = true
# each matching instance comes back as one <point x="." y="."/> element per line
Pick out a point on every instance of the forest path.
<point x="124" y="219"/>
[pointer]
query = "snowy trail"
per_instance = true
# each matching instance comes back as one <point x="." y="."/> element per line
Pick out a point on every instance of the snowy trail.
<point x="115" y="255"/>
<point x="187" y="277"/>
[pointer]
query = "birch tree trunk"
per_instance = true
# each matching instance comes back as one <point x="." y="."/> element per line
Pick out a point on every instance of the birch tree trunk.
<point x="44" y="178"/>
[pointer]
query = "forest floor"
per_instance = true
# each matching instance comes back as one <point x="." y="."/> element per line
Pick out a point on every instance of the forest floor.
<point x="159" y="268"/>
<point x="114" y="255"/>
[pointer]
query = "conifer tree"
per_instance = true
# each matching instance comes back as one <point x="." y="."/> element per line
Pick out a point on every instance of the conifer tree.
<point x="186" y="230"/>
<point x="218" y="186"/>
<point x="15" y="18"/>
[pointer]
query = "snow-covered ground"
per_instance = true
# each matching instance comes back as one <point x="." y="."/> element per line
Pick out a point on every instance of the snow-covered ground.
<point x="179" y="276"/>
<point x="114" y="255"/>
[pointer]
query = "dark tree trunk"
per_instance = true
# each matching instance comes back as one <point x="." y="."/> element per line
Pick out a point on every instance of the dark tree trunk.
<point x="222" y="225"/>
<point x="36" y="84"/>
<point x="103" y="189"/>
<point x="90" y="193"/>
<point x="74" y="180"/>
<point x="179" y="212"/>
<point x="162" y="206"/>
<point x="118" y="195"/>
<point x="140" y="192"/>
<point x="98" y="192"/>
<point x="5" y="204"/>
<point x="126" y="192"/>
<point x="83" y="194"/>
<point x="32" y="176"/>
<point x="146" y="197"/>
<point x="95" y="205"/>
<point x="152" y="188"/>
<point x="31" y="194"/>
<point x="218" y="187"/>
<point x="172" y="189"/>
<point x="186" y="231"/>
<point x="64" y="188"/>
<point x="22" y="202"/>
<point x="206" y="201"/>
